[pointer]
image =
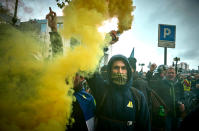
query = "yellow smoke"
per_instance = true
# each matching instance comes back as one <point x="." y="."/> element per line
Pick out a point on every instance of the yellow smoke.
<point x="33" y="93"/>
<point x="122" y="9"/>
<point x="82" y="20"/>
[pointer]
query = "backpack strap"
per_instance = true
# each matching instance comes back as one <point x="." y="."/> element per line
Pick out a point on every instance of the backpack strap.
<point x="102" y="101"/>
<point x="156" y="96"/>
<point x="121" y="122"/>
<point x="137" y="97"/>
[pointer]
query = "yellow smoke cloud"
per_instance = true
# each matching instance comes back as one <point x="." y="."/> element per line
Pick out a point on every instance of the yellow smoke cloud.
<point x="82" y="20"/>
<point x="122" y="9"/>
<point x="33" y="93"/>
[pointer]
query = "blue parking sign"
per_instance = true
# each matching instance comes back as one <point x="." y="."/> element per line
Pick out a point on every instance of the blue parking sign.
<point x="166" y="36"/>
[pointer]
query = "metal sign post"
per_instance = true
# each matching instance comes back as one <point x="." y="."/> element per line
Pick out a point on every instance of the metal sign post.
<point x="166" y="38"/>
<point x="165" y="55"/>
<point x="14" y="19"/>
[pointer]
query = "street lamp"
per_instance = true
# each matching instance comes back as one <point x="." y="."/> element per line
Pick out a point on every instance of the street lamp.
<point x="142" y="64"/>
<point x="176" y="59"/>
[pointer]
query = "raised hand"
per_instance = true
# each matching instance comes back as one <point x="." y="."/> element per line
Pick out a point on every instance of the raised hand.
<point x="52" y="22"/>
<point x="153" y="67"/>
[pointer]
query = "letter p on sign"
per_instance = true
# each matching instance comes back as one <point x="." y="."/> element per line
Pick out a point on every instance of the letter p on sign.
<point x="166" y="35"/>
<point x="167" y="32"/>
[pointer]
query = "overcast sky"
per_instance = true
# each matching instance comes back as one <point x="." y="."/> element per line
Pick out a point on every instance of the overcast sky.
<point x="144" y="33"/>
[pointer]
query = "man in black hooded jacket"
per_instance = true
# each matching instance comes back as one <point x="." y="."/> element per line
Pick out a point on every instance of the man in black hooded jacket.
<point x="117" y="106"/>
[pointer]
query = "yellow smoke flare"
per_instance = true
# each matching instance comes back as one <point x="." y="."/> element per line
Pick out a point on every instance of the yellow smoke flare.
<point x="82" y="20"/>
<point x="33" y="94"/>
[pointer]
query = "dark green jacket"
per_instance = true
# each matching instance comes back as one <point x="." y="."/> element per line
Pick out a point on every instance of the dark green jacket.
<point x="56" y="43"/>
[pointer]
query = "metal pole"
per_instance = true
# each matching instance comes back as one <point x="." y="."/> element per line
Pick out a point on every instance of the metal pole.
<point x="165" y="55"/>
<point x="14" y="19"/>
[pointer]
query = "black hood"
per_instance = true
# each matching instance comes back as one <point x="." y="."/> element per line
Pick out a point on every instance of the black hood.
<point x="126" y="62"/>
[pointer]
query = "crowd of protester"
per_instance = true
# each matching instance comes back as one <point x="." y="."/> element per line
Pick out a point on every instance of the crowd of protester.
<point x="171" y="96"/>
<point x="120" y="98"/>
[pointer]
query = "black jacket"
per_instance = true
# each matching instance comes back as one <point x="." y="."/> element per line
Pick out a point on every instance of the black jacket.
<point x="172" y="93"/>
<point x="116" y="107"/>
<point x="142" y="85"/>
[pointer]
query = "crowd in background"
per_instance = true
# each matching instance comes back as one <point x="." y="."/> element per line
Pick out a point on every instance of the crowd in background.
<point x="120" y="98"/>
<point x="178" y="94"/>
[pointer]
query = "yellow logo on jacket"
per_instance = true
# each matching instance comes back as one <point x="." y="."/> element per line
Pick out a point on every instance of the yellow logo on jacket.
<point x="84" y="96"/>
<point x="130" y="104"/>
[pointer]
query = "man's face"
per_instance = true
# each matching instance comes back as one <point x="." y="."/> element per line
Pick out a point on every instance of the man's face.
<point x="171" y="74"/>
<point x="119" y="67"/>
